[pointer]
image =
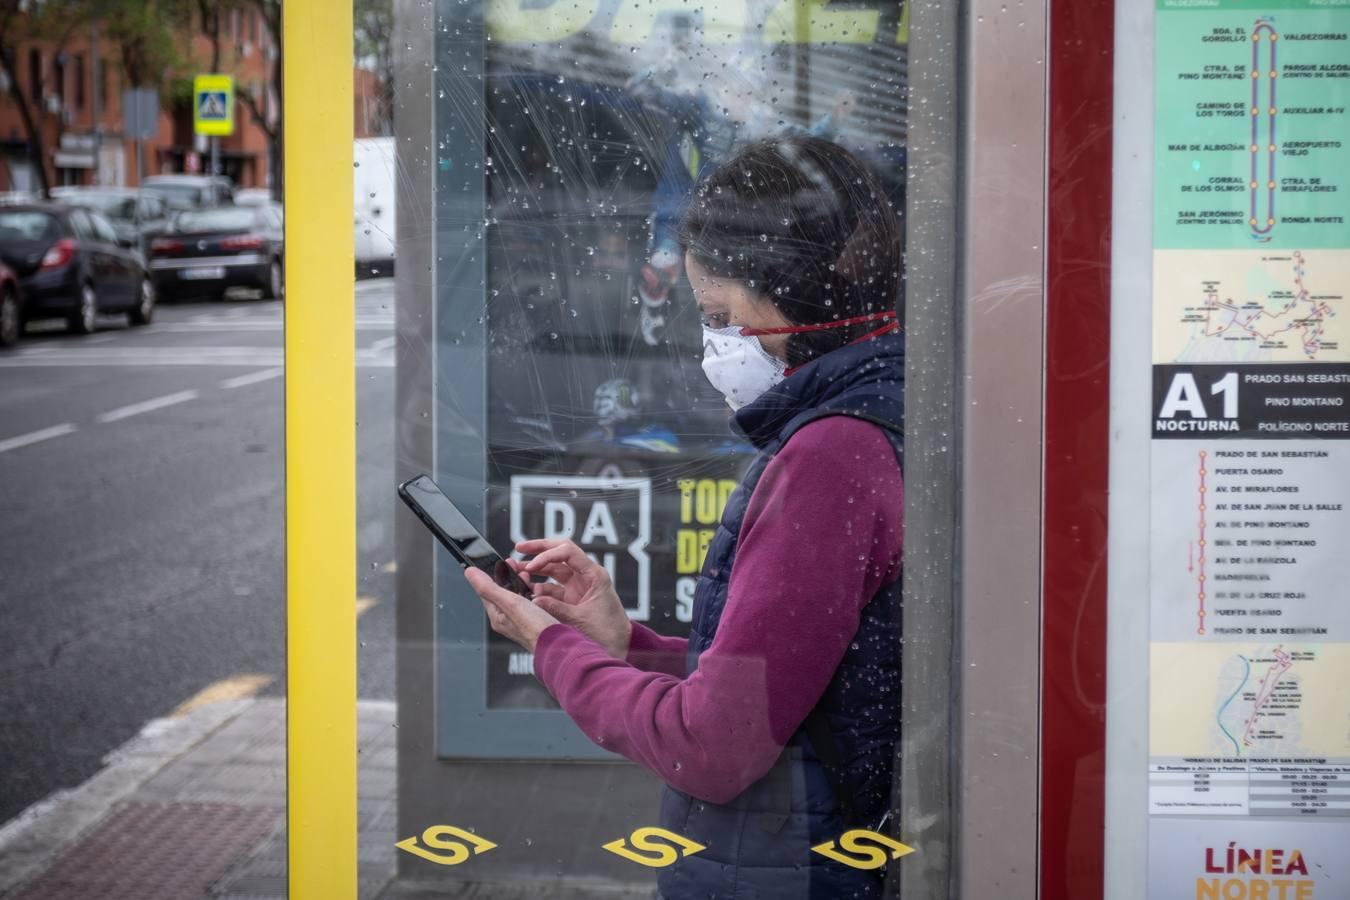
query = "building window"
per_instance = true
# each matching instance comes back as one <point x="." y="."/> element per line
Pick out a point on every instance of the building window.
<point x="79" y="81"/>
<point x="103" y="75"/>
<point x="59" y="78"/>
<point x="35" y="75"/>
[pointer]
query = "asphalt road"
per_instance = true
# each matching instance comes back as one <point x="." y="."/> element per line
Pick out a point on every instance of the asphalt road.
<point x="141" y="527"/>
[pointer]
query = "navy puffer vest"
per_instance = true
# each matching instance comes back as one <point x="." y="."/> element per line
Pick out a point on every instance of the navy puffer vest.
<point x="759" y="844"/>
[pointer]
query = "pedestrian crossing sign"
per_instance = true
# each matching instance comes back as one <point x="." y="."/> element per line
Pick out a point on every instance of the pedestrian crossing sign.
<point x="213" y="104"/>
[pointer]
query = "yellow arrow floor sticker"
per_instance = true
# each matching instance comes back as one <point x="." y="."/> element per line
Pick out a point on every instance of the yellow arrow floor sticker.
<point x="860" y="842"/>
<point x="435" y="838"/>
<point x="647" y="852"/>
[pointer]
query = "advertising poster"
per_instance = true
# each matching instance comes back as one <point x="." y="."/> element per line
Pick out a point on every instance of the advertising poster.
<point x="1249" y="659"/>
<point x="601" y="425"/>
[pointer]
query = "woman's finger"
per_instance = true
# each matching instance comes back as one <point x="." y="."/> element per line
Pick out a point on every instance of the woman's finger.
<point x="539" y="545"/>
<point x="559" y="572"/>
<point x="567" y="553"/>
<point x="490" y="591"/>
<point x="555" y="556"/>
<point x="556" y="591"/>
<point x="493" y="614"/>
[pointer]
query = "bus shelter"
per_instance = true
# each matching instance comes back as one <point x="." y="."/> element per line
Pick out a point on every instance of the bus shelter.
<point x="1124" y="649"/>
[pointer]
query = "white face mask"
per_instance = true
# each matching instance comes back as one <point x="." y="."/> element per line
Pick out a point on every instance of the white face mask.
<point x="738" y="365"/>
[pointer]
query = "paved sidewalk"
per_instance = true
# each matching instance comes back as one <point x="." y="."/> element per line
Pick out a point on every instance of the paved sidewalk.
<point x="193" y="807"/>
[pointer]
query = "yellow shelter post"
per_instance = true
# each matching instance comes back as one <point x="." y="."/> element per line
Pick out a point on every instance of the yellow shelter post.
<point x="320" y="451"/>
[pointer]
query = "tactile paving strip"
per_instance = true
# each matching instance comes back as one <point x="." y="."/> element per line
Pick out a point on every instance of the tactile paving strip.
<point x="149" y="851"/>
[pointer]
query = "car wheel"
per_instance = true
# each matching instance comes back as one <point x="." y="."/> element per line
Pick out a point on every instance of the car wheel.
<point x="144" y="310"/>
<point x="276" y="284"/>
<point x="85" y="319"/>
<point x="11" y="320"/>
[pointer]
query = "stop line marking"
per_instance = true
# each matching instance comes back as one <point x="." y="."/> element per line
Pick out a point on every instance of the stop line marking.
<point x="145" y="406"/>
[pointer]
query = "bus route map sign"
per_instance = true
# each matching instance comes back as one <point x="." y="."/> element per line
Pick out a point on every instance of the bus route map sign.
<point x="1249" y="724"/>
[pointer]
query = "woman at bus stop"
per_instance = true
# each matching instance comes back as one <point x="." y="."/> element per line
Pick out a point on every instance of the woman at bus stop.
<point x="774" y="725"/>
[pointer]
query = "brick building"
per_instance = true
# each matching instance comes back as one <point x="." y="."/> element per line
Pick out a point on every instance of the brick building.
<point x="75" y="93"/>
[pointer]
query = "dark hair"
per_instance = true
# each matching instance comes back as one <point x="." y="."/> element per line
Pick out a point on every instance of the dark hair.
<point x="803" y="222"/>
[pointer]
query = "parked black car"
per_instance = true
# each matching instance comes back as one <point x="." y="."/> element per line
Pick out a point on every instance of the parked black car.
<point x="70" y="265"/>
<point x="208" y="251"/>
<point x="192" y="191"/>
<point x="11" y="319"/>
<point x="137" y="216"/>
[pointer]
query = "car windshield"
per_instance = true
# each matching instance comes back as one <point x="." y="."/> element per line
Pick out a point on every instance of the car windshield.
<point x="28" y="226"/>
<point x="227" y="219"/>
<point x="118" y="207"/>
<point x="179" y="196"/>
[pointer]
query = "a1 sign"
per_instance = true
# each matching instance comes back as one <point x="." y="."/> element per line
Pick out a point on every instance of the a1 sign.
<point x="1273" y="401"/>
<point x="1185" y="398"/>
<point x="609" y="518"/>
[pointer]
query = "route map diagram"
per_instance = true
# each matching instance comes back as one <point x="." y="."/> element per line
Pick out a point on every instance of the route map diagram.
<point x="1248" y="620"/>
<point x="1251" y="129"/>
<point x="1250" y="700"/>
<point x="1263" y="225"/>
<point x="1251" y="306"/>
<point x="1248" y="540"/>
<point x="1244" y="723"/>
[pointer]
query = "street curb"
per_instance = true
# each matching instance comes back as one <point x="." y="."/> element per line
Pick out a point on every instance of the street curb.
<point x="559" y="889"/>
<point x="34" y="837"/>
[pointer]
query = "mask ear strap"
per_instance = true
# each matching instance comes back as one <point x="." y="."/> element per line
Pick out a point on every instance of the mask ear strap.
<point x="823" y="326"/>
<point x="888" y="328"/>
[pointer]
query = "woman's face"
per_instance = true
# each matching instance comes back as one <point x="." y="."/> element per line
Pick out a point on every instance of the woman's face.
<point x="723" y="302"/>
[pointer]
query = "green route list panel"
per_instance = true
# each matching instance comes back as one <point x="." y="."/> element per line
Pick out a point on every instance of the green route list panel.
<point x="1252" y="124"/>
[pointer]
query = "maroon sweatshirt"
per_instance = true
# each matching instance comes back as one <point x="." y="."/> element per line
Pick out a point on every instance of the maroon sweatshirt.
<point x="821" y="535"/>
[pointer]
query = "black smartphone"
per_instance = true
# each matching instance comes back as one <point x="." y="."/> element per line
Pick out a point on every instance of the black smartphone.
<point x="459" y="537"/>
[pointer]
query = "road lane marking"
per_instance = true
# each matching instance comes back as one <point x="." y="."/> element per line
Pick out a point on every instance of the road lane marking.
<point x="124" y="357"/>
<point x="251" y="378"/>
<point x="363" y="604"/>
<point x="145" y="406"/>
<point x="34" y="437"/>
<point x="253" y="324"/>
<point x="237" y="687"/>
<point x="141" y="355"/>
<point x="179" y="359"/>
<point x="199" y="327"/>
<point x="383" y="343"/>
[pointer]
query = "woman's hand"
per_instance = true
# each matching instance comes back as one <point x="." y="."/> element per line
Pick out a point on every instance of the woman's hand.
<point x="580" y="595"/>
<point x="511" y="615"/>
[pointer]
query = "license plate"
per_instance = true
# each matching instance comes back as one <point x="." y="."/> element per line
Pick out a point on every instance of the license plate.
<point x="202" y="273"/>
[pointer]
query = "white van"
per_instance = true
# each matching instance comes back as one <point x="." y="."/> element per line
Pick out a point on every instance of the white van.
<point x="373" y="177"/>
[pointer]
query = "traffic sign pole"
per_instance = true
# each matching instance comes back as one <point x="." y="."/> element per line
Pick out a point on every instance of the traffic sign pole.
<point x="213" y="111"/>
